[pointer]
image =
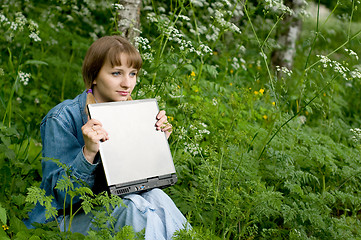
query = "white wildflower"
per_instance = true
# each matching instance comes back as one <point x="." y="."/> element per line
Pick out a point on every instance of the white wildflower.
<point x="147" y="8"/>
<point x="13" y="26"/>
<point x="263" y="55"/>
<point x="203" y="124"/>
<point x="357" y="134"/>
<point x="3" y="18"/>
<point x="161" y="9"/>
<point x="206" y="49"/>
<point x="217" y="5"/>
<point x="219" y="16"/>
<point x="33" y="26"/>
<point x="324" y="59"/>
<point x="192" y="148"/>
<point x="152" y="17"/>
<point x="235" y="65"/>
<point x="214" y="102"/>
<point x="355" y="74"/>
<point x="143" y="42"/>
<point x="184" y="17"/>
<point x="213" y="37"/>
<point x="20" y="20"/>
<point x="60" y="25"/>
<point x="226" y="2"/>
<point x="118" y="6"/>
<point x="204" y="131"/>
<point x="35" y="37"/>
<point x="284" y="70"/>
<point x="183" y="106"/>
<point x="277" y="6"/>
<point x="336" y="66"/>
<point x="302" y="119"/>
<point x="147" y="56"/>
<point x="352" y="53"/>
<point x="199" y="3"/>
<point x="182" y="132"/>
<point x="24" y="78"/>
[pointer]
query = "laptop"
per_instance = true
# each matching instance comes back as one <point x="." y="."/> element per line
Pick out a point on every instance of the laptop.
<point x="136" y="157"/>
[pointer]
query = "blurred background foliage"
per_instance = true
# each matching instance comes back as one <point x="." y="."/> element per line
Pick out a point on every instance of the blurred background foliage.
<point x="261" y="151"/>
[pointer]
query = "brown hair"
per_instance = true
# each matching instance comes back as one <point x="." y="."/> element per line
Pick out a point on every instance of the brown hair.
<point x="107" y="48"/>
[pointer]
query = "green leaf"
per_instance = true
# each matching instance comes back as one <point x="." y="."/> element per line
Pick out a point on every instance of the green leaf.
<point x="3" y="234"/>
<point x="36" y="62"/>
<point x="3" y="217"/>
<point x="34" y="238"/>
<point x="6" y="140"/>
<point x="211" y="69"/>
<point x="16" y="224"/>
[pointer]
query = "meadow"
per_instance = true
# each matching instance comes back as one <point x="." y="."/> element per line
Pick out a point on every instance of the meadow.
<point x="261" y="151"/>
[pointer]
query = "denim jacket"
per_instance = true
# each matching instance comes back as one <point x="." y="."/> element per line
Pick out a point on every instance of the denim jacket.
<point x="62" y="139"/>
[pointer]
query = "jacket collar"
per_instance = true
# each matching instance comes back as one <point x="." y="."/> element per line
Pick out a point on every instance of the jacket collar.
<point x="82" y="104"/>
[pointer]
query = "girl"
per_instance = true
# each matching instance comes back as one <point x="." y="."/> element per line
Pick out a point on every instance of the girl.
<point x="110" y="71"/>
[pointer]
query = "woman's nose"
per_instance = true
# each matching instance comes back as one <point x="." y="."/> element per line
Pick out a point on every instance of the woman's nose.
<point x="125" y="82"/>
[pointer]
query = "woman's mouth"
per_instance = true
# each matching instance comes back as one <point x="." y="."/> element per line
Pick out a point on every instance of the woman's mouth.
<point x="123" y="93"/>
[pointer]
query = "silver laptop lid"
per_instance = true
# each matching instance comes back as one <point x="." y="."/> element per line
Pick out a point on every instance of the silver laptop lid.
<point x="135" y="149"/>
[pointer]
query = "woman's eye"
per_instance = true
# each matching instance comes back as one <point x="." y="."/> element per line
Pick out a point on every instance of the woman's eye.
<point x="133" y="74"/>
<point x="115" y="73"/>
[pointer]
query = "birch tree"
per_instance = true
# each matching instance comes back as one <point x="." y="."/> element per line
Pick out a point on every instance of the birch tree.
<point x="128" y="12"/>
<point x="287" y="35"/>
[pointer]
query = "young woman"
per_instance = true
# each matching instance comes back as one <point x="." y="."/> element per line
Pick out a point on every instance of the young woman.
<point x="110" y="71"/>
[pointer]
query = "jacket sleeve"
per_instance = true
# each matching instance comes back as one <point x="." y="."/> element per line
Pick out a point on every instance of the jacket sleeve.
<point x="60" y="142"/>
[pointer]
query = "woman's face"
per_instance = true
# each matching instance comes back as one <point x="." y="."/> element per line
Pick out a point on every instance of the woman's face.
<point x="115" y="83"/>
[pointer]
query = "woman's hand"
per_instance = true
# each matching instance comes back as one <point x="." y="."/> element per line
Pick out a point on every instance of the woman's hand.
<point x="163" y="125"/>
<point x="93" y="132"/>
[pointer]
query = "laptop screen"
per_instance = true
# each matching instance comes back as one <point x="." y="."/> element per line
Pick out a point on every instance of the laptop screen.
<point x="135" y="149"/>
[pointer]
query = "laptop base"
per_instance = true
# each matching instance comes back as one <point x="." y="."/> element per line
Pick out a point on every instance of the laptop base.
<point x="143" y="185"/>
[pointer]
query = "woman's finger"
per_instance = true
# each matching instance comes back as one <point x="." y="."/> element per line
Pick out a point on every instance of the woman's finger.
<point x="160" y="114"/>
<point x="167" y="128"/>
<point x="161" y="121"/>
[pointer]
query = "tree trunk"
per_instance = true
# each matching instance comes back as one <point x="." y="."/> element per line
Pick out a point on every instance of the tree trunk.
<point x="288" y="33"/>
<point x="129" y="19"/>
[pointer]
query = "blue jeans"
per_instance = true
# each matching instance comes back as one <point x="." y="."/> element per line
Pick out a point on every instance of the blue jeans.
<point x="153" y="210"/>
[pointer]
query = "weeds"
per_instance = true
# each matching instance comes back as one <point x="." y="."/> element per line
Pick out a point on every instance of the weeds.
<point x="260" y="152"/>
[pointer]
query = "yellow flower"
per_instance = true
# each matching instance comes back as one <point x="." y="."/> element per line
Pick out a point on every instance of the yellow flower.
<point x="193" y="74"/>
<point x="230" y="84"/>
<point x="231" y="71"/>
<point x="196" y="90"/>
<point x="261" y="91"/>
<point x="324" y="94"/>
<point x="265" y="117"/>
<point x="178" y="86"/>
<point x="215" y="53"/>
<point x="273" y="103"/>
<point x="256" y="92"/>
<point x="170" y="118"/>
<point x="5" y="227"/>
